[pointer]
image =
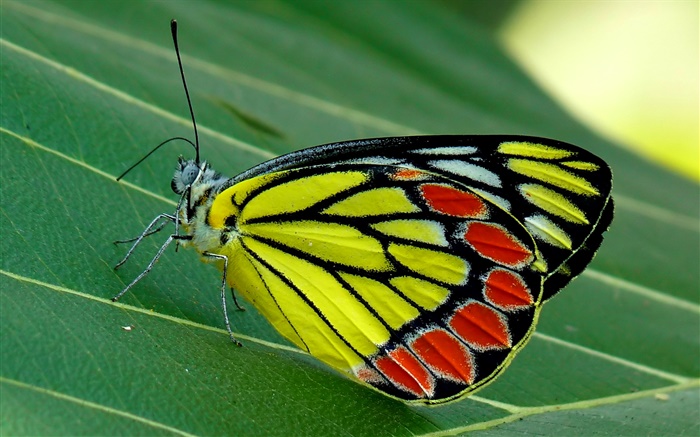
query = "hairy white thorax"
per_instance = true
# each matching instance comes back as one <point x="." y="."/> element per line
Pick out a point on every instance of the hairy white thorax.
<point x="198" y="184"/>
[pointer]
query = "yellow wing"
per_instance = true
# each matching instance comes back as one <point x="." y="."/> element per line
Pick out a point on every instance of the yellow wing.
<point x="408" y="280"/>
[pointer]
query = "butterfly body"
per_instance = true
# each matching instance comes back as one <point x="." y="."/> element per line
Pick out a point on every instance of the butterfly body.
<point x="417" y="265"/>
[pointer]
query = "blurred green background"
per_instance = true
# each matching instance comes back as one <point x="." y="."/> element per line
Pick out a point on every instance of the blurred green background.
<point x="628" y="69"/>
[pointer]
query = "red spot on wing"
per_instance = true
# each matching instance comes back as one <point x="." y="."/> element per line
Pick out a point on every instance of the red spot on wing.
<point x="407" y="373"/>
<point x="451" y="201"/>
<point x="445" y="355"/>
<point x="481" y="327"/>
<point x="507" y="290"/>
<point x="369" y="375"/>
<point x="407" y="174"/>
<point x="494" y="242"/>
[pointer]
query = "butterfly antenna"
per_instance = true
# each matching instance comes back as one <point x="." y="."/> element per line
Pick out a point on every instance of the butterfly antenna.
<point x="151" y="153"/>
<point x="173" y="29"/>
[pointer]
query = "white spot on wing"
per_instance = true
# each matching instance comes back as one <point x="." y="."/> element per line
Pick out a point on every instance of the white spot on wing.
<point x="447" y="151"/>
<point x="467" y="170"/>
<point x="545" y="230"/>
<point x="496" y="200"/>
<point x="374" y="160"/>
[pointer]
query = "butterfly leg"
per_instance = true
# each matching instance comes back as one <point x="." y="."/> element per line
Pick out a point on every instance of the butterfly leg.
<point x="148" y="233"/>
<point x="151" y="264"/>
<point x="167" y="218"/>
<point x="233" y="295"/>
<point x="223" y="294"/>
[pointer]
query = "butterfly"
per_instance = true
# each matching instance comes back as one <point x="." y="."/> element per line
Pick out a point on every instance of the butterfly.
<point x="415" y="265"/>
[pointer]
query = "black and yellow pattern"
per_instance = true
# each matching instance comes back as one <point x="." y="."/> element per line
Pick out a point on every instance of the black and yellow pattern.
<point x="417" y="265"/>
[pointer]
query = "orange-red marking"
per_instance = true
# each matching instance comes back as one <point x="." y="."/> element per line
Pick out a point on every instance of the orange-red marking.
<point x="369" y="375"/>
<point x="451" y="201"/>
<point x="445" y="355"/>
<point x="407" y="174"/>
<point x="406" y="372"/>
<point x="496" y="243"/>
<point x="507" y="290"/>
<point x="480" y="327"/>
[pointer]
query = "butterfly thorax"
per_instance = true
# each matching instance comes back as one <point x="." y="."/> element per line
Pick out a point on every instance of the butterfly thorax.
<point x="198" y="184"/>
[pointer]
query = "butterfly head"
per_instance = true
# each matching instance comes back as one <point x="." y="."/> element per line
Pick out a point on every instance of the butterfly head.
<point x="189" y="173"/>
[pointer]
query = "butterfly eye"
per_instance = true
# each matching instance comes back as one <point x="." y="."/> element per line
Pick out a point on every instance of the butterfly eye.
<point x="189" y="174"/>
<point x="184" y="176"/>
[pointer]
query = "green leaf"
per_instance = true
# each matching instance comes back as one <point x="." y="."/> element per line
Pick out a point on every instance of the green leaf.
<point x="89" y="87"/>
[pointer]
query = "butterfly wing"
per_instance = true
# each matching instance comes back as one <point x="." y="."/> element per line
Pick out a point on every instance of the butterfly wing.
<point x="411" y="281"/>
<point x="559" y="192"/>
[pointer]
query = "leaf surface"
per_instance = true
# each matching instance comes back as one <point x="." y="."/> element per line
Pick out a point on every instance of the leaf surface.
<point x="89" y="87"/>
